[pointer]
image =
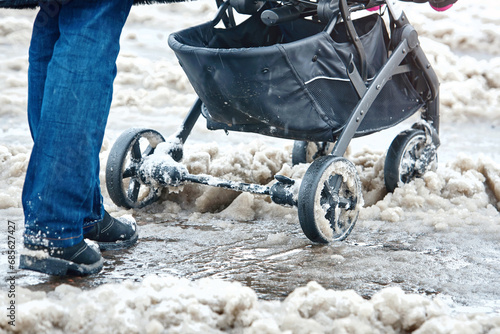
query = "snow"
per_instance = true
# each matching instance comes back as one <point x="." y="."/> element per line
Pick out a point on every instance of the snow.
<point x="457" y="204"/>
<point x="175" y="305"/>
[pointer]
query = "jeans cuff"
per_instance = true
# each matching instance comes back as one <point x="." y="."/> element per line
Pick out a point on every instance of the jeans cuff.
<point x="37" y="240"/>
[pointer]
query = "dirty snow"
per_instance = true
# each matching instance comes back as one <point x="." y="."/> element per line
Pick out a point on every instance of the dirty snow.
<point x="448" y="220"/>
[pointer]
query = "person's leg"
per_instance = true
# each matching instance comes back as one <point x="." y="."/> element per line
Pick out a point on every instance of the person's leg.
<point x="61" y="178"/>
<point x="44" y="36"/>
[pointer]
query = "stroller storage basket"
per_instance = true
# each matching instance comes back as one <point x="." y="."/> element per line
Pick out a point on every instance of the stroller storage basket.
<point x="290" y="80"/>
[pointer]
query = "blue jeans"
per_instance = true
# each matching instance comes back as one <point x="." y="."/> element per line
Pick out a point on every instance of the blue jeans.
<point x="72" y="66"/>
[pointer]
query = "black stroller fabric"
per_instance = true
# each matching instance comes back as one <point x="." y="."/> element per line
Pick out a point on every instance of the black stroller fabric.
<point x="290" y="80"/>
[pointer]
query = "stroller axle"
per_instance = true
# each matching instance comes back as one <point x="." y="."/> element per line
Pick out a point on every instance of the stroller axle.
<point x="168" y="173"/>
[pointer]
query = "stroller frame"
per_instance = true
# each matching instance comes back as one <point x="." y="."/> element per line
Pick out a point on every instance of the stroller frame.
<point x="330" y="179"/>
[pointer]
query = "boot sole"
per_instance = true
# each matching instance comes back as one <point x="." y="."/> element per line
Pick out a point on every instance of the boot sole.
<point x="59" y="267"/>
<point x="118" y="245"/>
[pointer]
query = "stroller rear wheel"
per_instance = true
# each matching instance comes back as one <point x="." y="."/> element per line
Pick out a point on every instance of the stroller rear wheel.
<point x="410" y="155"/>
<point x="306" y="151"/>
<point x="329" y="199"/>
<point x="122" y="169"/>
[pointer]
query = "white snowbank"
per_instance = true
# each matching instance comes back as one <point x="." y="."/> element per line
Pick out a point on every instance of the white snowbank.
<point x="14" y="161"/>
<point x="173" y="305"/>
<point x="465" y="189"/>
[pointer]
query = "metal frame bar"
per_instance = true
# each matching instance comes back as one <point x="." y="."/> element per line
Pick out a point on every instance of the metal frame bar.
<point x="359" y="112"/>
<point x="189" y="122"/>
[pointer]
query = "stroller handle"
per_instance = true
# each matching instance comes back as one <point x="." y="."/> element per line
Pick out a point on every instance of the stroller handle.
<point x="271" y="17"/>
<point x="325" y="9"/>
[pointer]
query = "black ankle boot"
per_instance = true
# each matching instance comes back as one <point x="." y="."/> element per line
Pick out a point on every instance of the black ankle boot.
<point x="78" y="260"/>
<point x="112" y="234"/>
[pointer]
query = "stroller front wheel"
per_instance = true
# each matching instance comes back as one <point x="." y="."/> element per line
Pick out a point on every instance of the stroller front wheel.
<point x="122" y="169"/>
<point x="329" y="199"/>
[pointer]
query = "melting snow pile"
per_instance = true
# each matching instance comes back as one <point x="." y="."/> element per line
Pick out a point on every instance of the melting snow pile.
<point x="172" y="305"/>
<point x="465" y="189"/>
<point x="14" y="161"/>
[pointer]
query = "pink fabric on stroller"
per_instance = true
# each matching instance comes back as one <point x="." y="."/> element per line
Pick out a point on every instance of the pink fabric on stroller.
<point x="439" y="9"/>
<point x="442" y="9"/>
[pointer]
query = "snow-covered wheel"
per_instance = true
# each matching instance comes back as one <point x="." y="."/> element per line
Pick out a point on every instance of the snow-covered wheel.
<point x="122" y="169"/>
<point x="410" y="155"/>
<point x="307" y="151"/>
<point x="329" y="199"/>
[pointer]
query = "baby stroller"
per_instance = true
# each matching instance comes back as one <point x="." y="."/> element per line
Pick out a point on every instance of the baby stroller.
<point x="305" y="70"/>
